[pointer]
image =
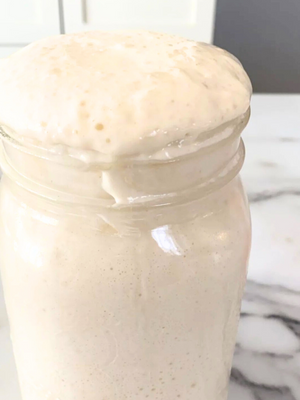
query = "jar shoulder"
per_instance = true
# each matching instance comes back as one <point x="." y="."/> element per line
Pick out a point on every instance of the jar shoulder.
<point x="214" y="227"/>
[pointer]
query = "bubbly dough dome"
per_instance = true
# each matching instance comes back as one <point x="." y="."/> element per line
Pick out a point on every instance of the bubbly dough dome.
<point x="121" y="93"/>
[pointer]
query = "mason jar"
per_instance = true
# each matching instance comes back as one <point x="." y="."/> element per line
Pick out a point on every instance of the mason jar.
<point x="124" y="281"/>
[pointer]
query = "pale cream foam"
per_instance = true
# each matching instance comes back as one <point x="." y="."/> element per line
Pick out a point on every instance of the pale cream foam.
<point x="125" y="93"/>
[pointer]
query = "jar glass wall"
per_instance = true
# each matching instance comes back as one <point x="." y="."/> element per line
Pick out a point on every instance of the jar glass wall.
<point x="133" y="302"/>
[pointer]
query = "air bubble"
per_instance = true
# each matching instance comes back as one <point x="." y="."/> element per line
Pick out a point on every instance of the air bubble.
<point x="99" y="127"/>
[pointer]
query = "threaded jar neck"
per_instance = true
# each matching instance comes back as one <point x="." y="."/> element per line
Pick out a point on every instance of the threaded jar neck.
<point x="72" y="177"/>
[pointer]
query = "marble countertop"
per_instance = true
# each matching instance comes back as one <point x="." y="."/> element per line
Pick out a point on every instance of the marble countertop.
<point x="266" y="364"/>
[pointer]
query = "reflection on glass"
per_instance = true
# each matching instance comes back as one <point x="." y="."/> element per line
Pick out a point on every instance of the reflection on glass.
<point x="165" y="240"/>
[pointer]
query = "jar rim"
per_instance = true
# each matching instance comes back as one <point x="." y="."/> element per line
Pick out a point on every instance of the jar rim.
<point x="197" y="187"/>
<point x="209" y="141"/>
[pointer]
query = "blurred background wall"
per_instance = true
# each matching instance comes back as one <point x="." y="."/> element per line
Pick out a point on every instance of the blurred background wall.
<point x="265" y="36"/>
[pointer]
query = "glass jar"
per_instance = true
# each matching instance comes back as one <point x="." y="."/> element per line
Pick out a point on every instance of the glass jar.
<point x="123" y="281"/>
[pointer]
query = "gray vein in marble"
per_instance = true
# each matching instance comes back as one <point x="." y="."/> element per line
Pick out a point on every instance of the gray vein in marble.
<point x="266" y="363"/>
<point x="264" y="196"/>
<point x="260" y="391"/>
